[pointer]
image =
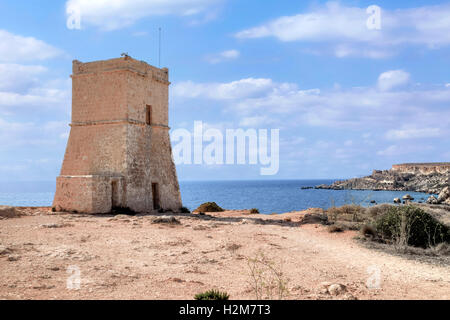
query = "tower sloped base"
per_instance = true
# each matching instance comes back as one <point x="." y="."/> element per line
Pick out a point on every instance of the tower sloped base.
<point x="87" y="194"/>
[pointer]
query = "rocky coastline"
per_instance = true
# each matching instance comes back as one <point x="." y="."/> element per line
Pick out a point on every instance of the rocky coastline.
<point x="408" y="177"/>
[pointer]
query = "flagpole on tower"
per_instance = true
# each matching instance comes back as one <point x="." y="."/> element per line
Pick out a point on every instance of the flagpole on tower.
<point x="159" y="54"/>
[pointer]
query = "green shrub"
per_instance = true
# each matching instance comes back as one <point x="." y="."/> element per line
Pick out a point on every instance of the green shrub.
<point x="254" y="211"/>
<point x="409" y="225"/>
<point x="209" y="207"/>
<point x="348" y="212"/>
<point x="348" y="225"/>
<point x="185" y="210"/>
<point x="212" y="295"/>
<point x="378" y="210"/>
<point x="368" y="231"/>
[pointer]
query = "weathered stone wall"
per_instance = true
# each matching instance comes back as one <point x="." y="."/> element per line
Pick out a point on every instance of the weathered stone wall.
<point x="113" y="156"/>
<point x="99" y="96"/>
<point x="138" y="174"/>
<point x="83" y="194"/>
<point x="163" y="169"/>
<point x="96" y="149"/>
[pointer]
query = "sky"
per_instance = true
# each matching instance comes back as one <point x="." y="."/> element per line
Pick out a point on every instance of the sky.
<point x="349" y="90"/>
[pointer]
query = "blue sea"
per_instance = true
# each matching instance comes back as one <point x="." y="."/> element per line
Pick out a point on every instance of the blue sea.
<point x="269" y="196"/>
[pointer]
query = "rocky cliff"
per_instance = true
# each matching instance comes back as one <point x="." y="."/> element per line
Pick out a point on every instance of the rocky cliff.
<point x="430" y="178"/>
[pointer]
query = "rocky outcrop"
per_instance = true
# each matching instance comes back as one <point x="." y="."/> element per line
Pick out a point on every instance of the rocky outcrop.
<point x="432" y="200"/>
<point x="7" y="212"/>
<point x="444" y="196"/>
<point x="396" y="180"/>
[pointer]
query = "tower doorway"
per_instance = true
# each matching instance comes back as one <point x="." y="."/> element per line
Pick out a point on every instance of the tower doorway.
<point x="156" y="199"/>
<point x="148" y="115"/>
<point x="115" y="203"/>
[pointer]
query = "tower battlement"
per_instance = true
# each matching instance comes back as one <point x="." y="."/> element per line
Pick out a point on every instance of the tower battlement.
<point x="121" y="64"/>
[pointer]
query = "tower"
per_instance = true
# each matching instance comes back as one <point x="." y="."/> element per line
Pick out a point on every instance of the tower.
<point x="118" y="154"/>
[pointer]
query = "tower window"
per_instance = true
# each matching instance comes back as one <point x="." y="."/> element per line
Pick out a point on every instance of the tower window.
<point x="148" y="115"/>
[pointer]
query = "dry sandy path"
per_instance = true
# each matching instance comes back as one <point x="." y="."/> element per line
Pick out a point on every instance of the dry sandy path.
<point x="132" y="258"/>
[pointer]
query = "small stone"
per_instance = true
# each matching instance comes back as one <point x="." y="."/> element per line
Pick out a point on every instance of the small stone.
<point x="323" y="287"/>
<point x="407" y="197"/>
<point x="323" y="291"/>
<point x="54" y="269"/>
<point x="43" y="287"/>
<point x="337" y="289"/>
<point x="54" y="225"/>
<point x="13" y="258"/>
<point x="349" y="296"/>
<point x="5" y="250"/>
<point x="166" y="220"/>
<point x="432" y="200"/>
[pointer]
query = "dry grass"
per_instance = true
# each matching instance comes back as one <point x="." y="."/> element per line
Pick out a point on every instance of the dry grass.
<point x="377" y="211"/>
<point x="267" y="279"/>
<point x="348" y="212"/>
<point x="356" y="214"/>
<point x="335" y="228"/>
<point x="209" y="207"/>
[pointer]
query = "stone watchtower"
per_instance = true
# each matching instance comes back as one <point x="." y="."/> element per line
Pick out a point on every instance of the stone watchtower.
<point x="119" y="153"/>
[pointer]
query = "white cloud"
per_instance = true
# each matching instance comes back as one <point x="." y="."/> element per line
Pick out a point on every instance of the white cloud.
<point x="348" y="51"/>
<point x="390" y="151"/>
<point x="327" y="23"/>
<point x="223" y="56"/>
<point x="223" y="91"/>
<point x="27" y="98"/>
<point x="111" y="15"/>
<point x="52" y="94"/>
<point x="348" y="143"/>
<point x="140" y="34"/>
<point x="14" y="48"/>
<point x="392" y="79"/>
<point x="345" y="30"/>
<point x="14" y="133"/>
<point x="398" y="150"/>
<point x="254" y="122"/>
<point x="413" y="133"/>
<point x="19" y="78"/>
<point x="27" y="85"/>
<point x="368" y="108"/>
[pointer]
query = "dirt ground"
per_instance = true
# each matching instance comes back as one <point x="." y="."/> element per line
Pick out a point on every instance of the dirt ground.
<point x="45" y="256"/>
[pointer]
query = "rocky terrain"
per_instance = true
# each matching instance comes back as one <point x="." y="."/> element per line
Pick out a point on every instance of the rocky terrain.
<point x="393" y="180"/>
<point x="45" y="255"/>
